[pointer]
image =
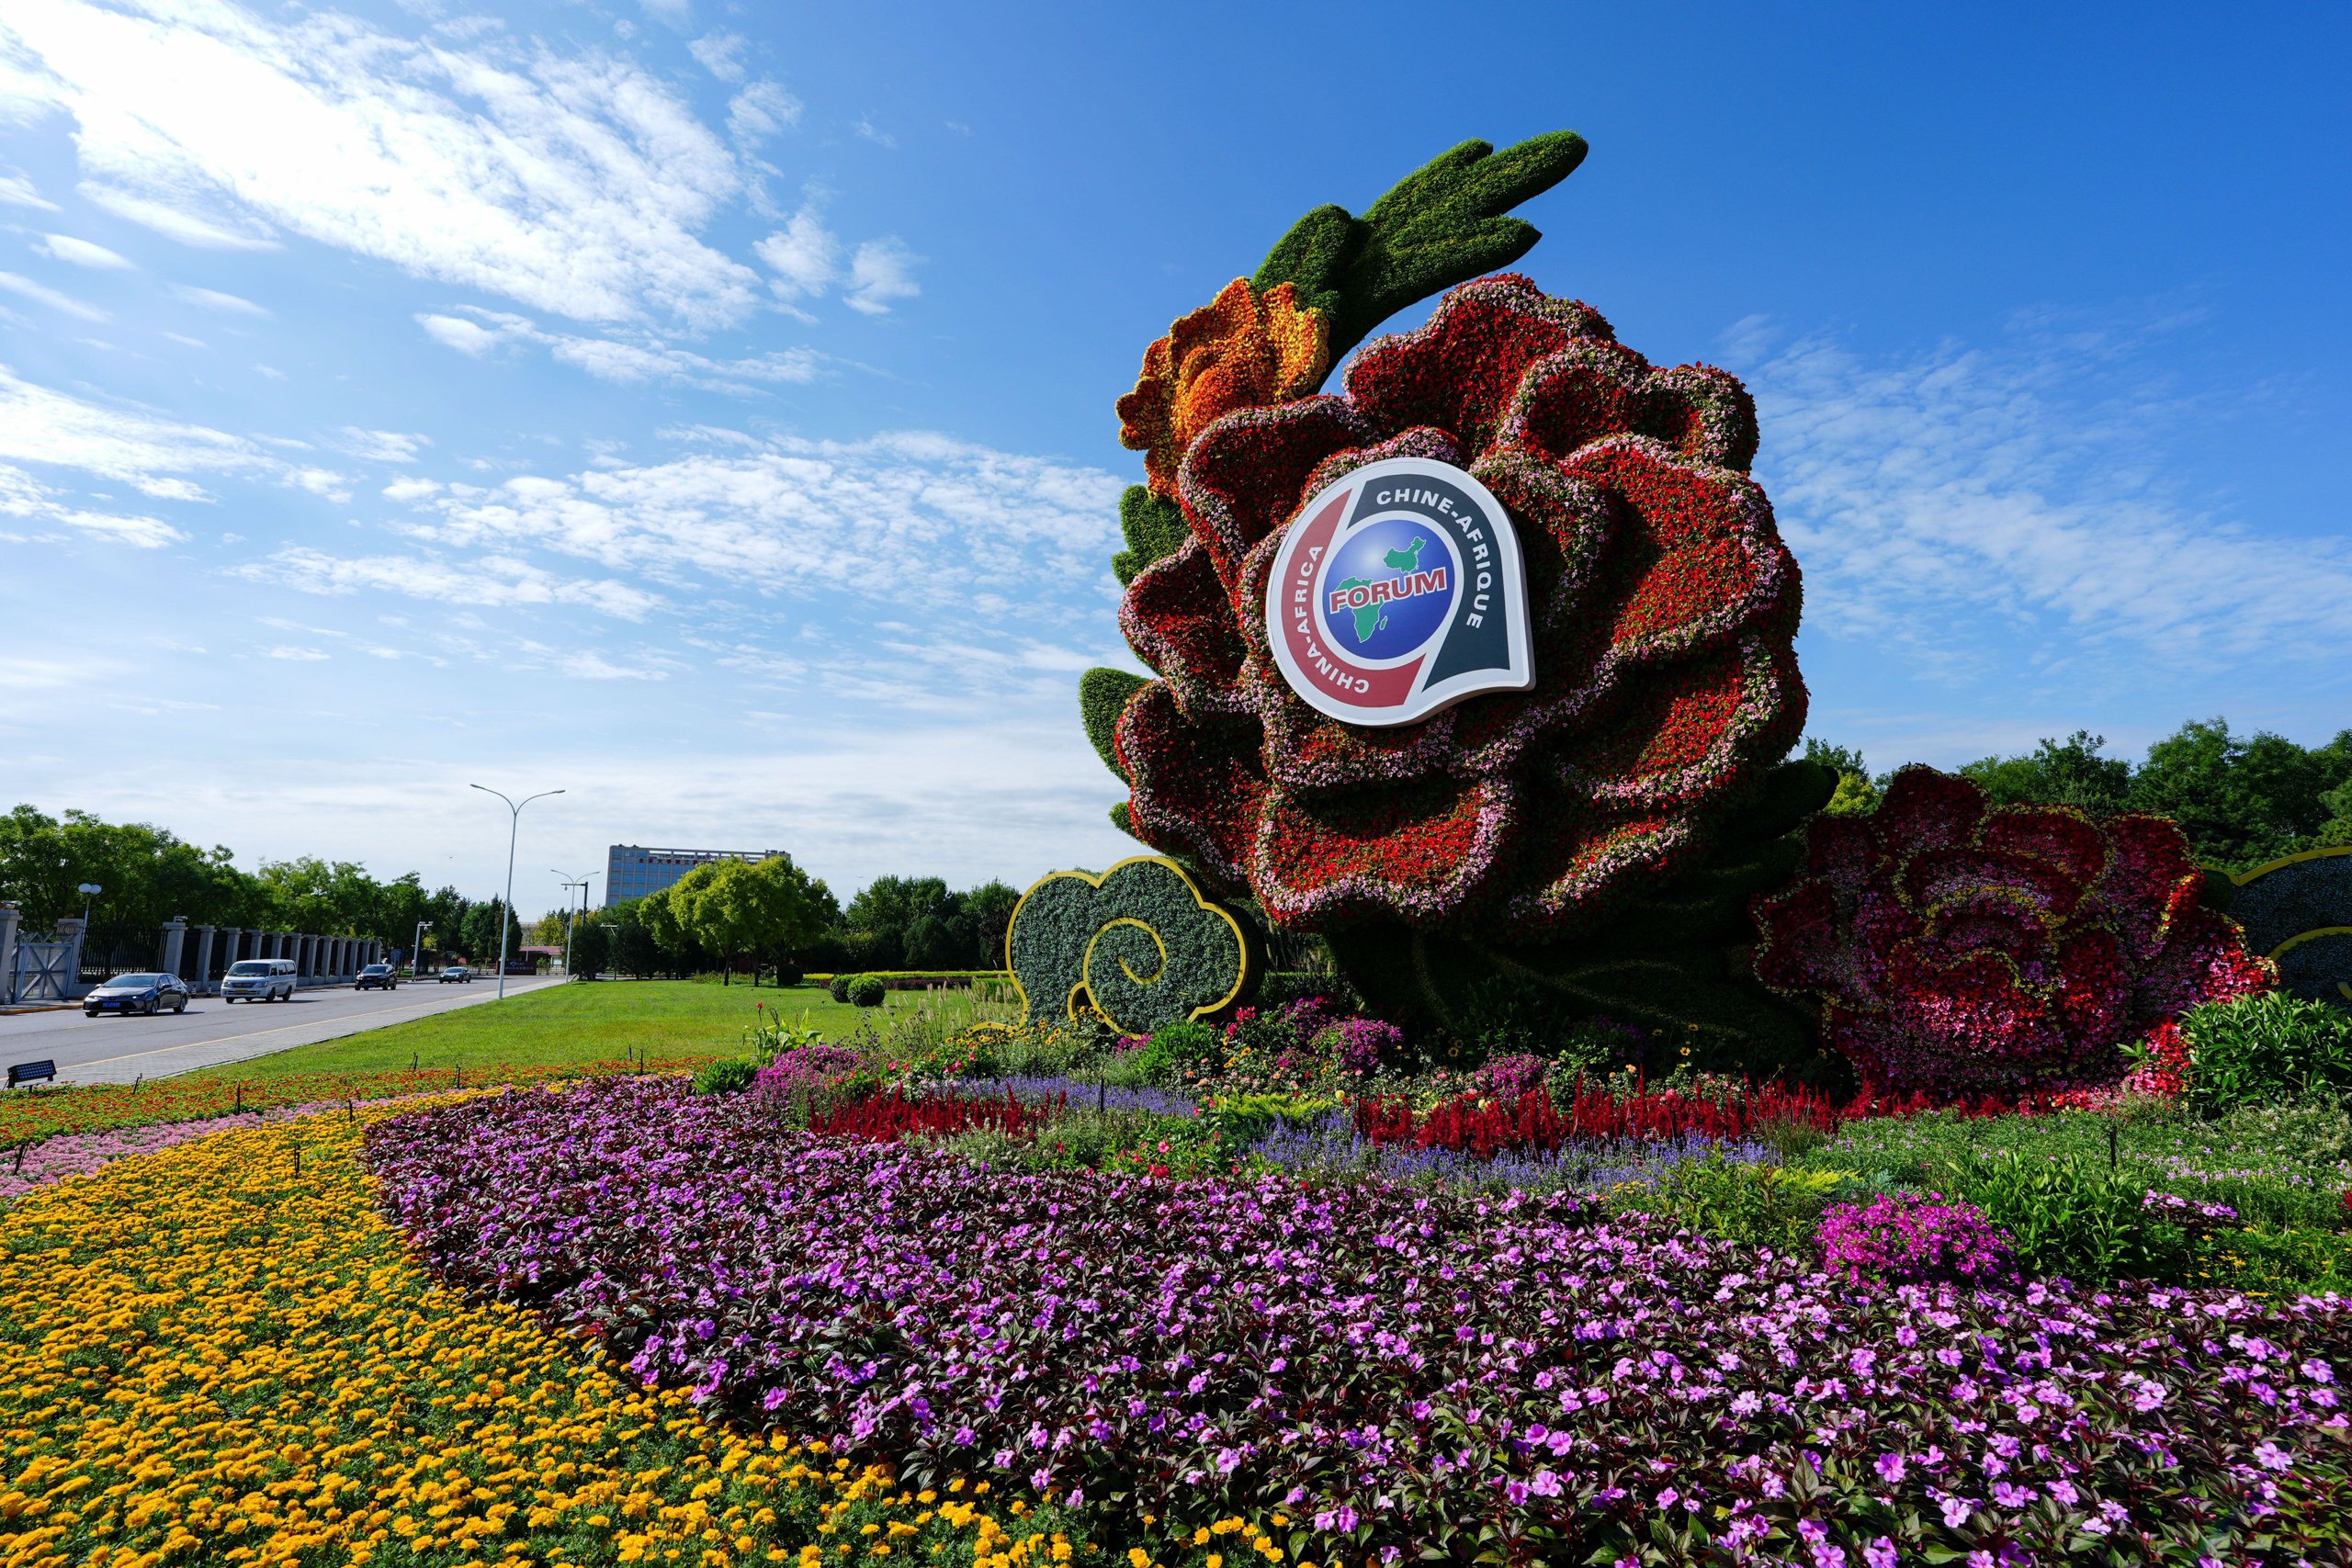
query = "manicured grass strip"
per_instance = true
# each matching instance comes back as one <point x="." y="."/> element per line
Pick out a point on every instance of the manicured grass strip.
<point x="672" y="1021"/>
<point x="221" y="1353"/>
<point x="28" y="1117"/>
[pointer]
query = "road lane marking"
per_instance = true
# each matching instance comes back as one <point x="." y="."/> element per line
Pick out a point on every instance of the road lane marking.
<point x="258" y="1033"/>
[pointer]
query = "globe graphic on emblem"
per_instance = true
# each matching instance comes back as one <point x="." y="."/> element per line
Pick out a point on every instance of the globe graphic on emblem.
<point x="1388" y="591"/>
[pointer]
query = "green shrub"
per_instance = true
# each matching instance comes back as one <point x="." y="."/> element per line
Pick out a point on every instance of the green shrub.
<point x="1756" y="1205"/>
<point x="2071" y="1216"/>
<point x="730" y="1075"/>
<point x="838" y="986"/>
<point x="1246" y="1117"/>
<point x="2260" y="1049"/>
<point x="1192" y="1045"/>
<point x="2303" y="1260"/>
<point x="787" y="974"/>
<point x="867" y="991"/>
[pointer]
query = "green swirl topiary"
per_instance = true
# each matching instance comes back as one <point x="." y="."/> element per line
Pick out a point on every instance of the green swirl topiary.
<point x="1139" y="946"/>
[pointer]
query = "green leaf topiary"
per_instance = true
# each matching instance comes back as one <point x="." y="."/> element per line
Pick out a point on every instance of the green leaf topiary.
<point x="1102" y="695"/>
<point x="867" y="991"/>
<point x="1139" y="946"/>
<point x="1154" y="526"/>
<point x="1442" y="224"/>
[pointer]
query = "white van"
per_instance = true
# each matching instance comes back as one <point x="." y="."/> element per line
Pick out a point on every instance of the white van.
<point x="260" y="980"/>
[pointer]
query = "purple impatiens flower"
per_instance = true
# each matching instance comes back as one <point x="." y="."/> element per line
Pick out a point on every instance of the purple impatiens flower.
<point x="1206" y="1348"/>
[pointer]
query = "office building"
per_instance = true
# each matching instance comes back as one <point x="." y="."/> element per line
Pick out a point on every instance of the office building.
<point x="631" y="871"/>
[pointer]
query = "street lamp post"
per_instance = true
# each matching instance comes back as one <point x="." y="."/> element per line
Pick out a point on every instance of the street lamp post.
<point x="514" y="829"/>
<point x="569" y="919"/>
<point x="89" y="890"/>
<point x="416" y="953"/>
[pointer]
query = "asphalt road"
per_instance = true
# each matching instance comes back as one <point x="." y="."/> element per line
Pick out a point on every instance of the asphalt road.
<point x="114" y="1049"/>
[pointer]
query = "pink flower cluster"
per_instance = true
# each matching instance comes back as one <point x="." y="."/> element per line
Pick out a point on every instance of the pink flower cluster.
<point x="809" y="1069"/>
<point x="1906" y="1238"/>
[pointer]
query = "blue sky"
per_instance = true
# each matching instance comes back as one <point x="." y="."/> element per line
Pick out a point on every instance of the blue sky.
<point x="706" y="408"/>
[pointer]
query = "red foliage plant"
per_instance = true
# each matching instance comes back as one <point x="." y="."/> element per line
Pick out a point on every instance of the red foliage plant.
<point x="1534" y="1122"/>
<point x="887" y="1118"/>
<point x="1960" y="949"/>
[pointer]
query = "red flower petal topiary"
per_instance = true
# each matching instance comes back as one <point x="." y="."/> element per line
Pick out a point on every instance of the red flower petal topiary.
<point x="1664" y="608"/>
<point x="1958" y="949"/>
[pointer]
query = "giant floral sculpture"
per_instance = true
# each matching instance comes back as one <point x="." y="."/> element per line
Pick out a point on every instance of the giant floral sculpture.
<point x="1598" y="831"/>
<point x="1960" y="949"/>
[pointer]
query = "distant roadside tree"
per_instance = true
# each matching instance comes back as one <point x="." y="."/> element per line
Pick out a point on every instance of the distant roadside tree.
<point x="591" y="949"/>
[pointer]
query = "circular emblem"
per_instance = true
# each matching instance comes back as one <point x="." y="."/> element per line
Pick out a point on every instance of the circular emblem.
<point x="1399" y="592"/>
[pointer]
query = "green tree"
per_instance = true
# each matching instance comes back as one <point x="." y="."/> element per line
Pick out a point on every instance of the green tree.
<point x="2058" y="772"/>
<point x="1857" y="792"/>
<point x="2242" y="801"/>
<point x="591" y="947"/>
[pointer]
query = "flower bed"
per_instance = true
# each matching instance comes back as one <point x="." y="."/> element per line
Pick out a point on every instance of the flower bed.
<point x="217" y="1355"/>
<point x="30" y="1115"/>
<point x="1365" y="1368"/>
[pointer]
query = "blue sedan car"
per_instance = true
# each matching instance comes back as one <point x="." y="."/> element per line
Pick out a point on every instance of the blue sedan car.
<point x="147" y="994"/>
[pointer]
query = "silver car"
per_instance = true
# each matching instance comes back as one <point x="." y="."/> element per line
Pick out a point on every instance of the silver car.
<point x="147" y="994"/>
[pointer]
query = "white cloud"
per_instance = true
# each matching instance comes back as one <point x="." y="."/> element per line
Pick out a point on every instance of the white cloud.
<point x="909" y="517"/>
<point x="574" y="183"/>
<point x="213" y="299"/>
<point x="204" y="233"/>
<point x="382" y="446"/>
<point x="882" y="271"/>
<point x="627" y="364"/>
<point x="590" y="665"/>
<point x="466" y="337"/>
<point x="299" y="655"/>
<point x="1971" y="506"/>
<point x="872" y="132"/>
<point x="146" y="451"/>
<point x="21" y="495"/>
<point x="15" y="190"/>
<point x="721" y="54"/>
<point x="80" y="252"/>
<point x="25" y="287"/>
<point x="495" y="580"/>
<point x="410" y="490"/>
<point x="761" y="110"/>
<point x="804" y="255"/>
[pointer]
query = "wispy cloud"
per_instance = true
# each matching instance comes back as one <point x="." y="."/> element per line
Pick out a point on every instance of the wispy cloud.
<point x="382" y="446"/>
<point x="1963" y="504"/>
<point x="883" y="270"/>
<point x="909" y="517"/>
<point x="760" y="111"/>
<point x="214" y="299"/>
<point x="495" y="580"/>
<point x="146" y="451"/>
<point x="23" y="496"/>
<point x="479" y="331"/>
<point x="575" y="183"/>
<point x="26" y="287"/>
<point x="81" y="253"/>
<point x="15" y="190"/>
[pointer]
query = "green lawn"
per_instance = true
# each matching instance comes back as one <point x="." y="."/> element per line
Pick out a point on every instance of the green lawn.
<point x="665" y="1020"/>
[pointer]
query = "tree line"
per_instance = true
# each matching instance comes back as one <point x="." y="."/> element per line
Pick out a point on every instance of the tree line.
<point x="722" y="916"/>
<point x="2243" y="800"/>
<point x="770" y="916"/>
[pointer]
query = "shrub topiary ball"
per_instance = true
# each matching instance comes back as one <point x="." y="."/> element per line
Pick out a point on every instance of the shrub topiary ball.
<point x="867" y="991"/>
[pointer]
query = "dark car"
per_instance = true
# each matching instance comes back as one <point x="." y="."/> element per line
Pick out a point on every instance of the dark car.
<point x="138" y="992"/>
<point x="377" y="974"/>
<point x="456" y="974"/>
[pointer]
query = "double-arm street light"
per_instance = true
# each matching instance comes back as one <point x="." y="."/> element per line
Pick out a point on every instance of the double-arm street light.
<point x="513" y="828"/>
<point x="580" y="882"/>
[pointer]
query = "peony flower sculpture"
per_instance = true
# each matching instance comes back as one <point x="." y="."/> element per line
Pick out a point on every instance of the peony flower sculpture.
<point x="1660" y="686"/>
<point x="1960" y="949"/>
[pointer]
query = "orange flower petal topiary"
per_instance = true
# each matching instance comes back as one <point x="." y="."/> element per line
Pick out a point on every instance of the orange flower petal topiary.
<point x="1240" y="350"/>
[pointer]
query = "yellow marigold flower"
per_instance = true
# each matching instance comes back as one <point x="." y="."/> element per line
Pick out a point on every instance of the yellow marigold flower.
<point x="1240" y="350"/>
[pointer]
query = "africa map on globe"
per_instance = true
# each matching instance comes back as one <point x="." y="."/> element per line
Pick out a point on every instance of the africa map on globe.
<point x="1370" y="618"/>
